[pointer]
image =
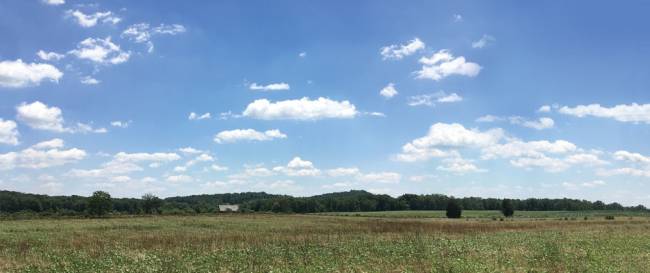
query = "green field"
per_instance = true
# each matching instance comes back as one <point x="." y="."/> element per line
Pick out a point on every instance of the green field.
<point x="491" y="214"/>
<point x="318" y="243"/>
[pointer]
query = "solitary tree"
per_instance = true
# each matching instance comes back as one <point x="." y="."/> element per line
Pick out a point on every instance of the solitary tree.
<point x="151" y="203"/>
<point x="454" y="210"/>
<point x="100" y="203"/>
<point x="506" y="208"/>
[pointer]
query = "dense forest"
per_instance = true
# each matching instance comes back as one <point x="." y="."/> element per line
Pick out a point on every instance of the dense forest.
<point x="15" y="203"/>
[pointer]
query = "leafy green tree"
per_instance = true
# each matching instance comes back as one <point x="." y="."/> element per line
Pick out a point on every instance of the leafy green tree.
<point x="454" y="210"/>
<point x="507" y="208"/>
<point x="100" y="203"/>
<point x="151" y="203"/>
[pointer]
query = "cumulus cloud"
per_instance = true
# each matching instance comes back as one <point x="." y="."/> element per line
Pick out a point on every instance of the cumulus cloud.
<point x="459" y="165"/>
<point x="53" y="2"/>
<point x="179" y="178"/>
<point x="269" y="87"/>
<point x="631" y="157"/>
<point x="544" y="109"/>
<point x="38" y="115"/>
<point x="90" y="20"/>
<point x="589" y="184"/>
<point x="100" y="51"/>
<point x="230" y="136"/>
<point x="388" y="91"/>
<point x="635" y="113"/>
<point x="50" y="144"/>
<point x="143" y="32"/>
<point x="337" y="172"/>
<point x="302" y="109"/>
<point x="442" y="138"/>
<point x="49" y="56"/>
<point x="541" y="124"/>
<point x="190" y="150"/>
<point x="121" y="124"/>
<point x="484" y="41"/>
<point x="195" y="116"/>
<point x="42" y="155"/>
<point x="8" y="132"/>
<point x="443" y="64"/>
<point x="124" y="163"/>
<point x="381" y="177"/>
<point x="88" y="80"/>
<point x="397" y="52"/>
<point x="298" y="167"/>
<point x="432" y="99"/>
<point x="489" y="118"/>
<point x="17" y="74"/>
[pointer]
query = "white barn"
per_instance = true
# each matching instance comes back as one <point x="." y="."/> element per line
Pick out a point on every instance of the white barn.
<point x="228" y="208"/>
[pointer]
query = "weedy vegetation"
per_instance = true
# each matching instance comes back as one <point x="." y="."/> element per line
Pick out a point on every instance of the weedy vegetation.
<point x="322" y="243"/>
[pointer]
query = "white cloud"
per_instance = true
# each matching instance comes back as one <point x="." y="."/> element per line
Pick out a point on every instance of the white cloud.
<point x="589" y="184"/>
<point x="90" y="20"/>
<point x="16" y="74"/>
<point x="621" y="171"/>
<point x="146" y="157"/>
<point x="457" y="18"/>
<point x="100" y="51"/>
<point x="49" y="56"/>
<point x="431" y="99"/>
<point x="442" y="136"/>
<point x="298" y="167"/>
<point x="631" y="157"/>
<point x="534" y="149"/>
<point x="302" y="109"/>
<point x="269" y="87"/>
<point x="50" y="144"/>
<point x="623" y="112"/>
<point x="121" y="124"/>
<point x="86" y="128"/>
<point x="453" y="97"/>
<point x="179" y="178"/>
<point x="142" y="33"/>
<point x="541" y="124"/>
<point x="302" y="54"/>
<point x="459" y="165"/>
<point x="33" y="158"/>
<point x="247" y="134"/>
<point x="190" y="150"/>
<point x="38" y="115"/>
<point x="123" y="163"/>
<point x="488" y="118"/>
<point x="443" y="64"/>
<point x="388" y="91"/>
<point x="195" y="116"/>
<point x="381" y="177"/>
<point x="337" y="172"/>
<point x="544" y="109"/>
<point x="397" y="52"/>
<point x="218" y="168"/>
<point x="88" y="80"/>
<point x="8" y="132"/>
<point x="54" y="2"/>
<point x="484" y="41"/>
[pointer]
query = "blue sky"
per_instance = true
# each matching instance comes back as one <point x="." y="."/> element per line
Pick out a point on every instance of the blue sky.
<point x="468" y="98"/>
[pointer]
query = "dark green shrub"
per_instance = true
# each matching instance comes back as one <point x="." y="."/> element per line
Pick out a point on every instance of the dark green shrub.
<point x="454" y="210"/>
<point x="507" y="208"/>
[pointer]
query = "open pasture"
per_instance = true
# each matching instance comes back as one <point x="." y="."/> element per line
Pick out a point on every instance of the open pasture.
<point x="311" y="243"/>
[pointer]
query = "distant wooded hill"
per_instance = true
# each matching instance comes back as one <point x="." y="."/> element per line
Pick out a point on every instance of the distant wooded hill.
<point x="16" y="202"/>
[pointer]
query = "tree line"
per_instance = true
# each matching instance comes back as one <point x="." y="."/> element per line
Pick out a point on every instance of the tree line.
<point x="352" y="201"/>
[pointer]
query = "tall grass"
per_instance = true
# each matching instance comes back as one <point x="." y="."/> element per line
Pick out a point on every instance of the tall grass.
<point x="299" y="243"/>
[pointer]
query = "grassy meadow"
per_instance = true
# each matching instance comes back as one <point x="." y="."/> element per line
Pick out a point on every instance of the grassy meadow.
<point x="379" y="242"/>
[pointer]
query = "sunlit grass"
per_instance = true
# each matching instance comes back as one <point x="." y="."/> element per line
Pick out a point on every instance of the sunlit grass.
<point x="308" y="243"/>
